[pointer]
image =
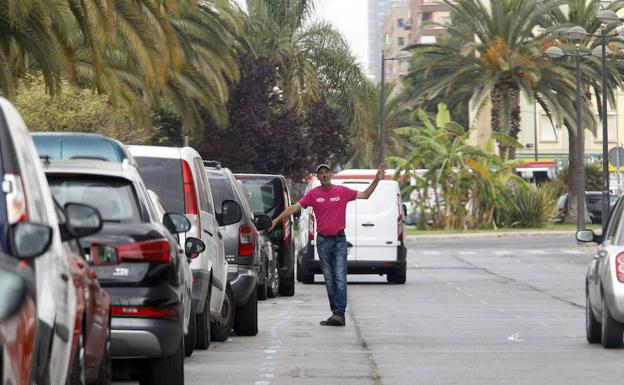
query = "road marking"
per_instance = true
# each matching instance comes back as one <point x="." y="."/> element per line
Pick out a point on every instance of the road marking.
<point x="571" y="251"/>
<point x="458" y="289"/>
<point x="514" y="338"/>
<point x="500" y="309"/>
<point x="466" y="253"/>
<point x="431" y="252"/>
<point x="543" y="323"/>
<point x="415" y="265"/>
<point x="536" y="251"/>
<point x="503" y="252"/>
<point x="483" y="302"/>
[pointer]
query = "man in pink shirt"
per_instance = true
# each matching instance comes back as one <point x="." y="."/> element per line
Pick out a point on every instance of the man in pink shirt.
<point x="329" y="203"/>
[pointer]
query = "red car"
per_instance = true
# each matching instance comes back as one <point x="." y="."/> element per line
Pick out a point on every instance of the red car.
<point x="91" y="360"/>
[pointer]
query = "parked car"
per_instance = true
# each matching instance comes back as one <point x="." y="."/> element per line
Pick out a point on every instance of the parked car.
<point x="374" y="234"/>
<point x="80" y="145"/>
<point x="269" y="194"/>
<point x="593" y="205"/>
<point x="604" y="282"/>
<point x="137" y="261"/>
<point x="239" y="227"/>
<point x="177" y="176"/>
<point x="28" y="213"/>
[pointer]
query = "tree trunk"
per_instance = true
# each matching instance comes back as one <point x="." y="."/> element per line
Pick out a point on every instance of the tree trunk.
<point x="506" y="95"/>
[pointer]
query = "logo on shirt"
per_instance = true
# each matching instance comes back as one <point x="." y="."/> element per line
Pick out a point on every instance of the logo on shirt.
<point x="335" y="199"/>
<point x="320" y="200"/>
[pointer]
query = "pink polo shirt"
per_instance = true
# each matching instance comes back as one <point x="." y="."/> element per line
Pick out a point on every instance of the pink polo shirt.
<point x="329" y="207"/>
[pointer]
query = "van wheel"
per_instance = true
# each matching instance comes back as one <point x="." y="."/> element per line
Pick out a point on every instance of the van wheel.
<point x="397" y="277"/>
<point x="287" y="285"/>
<point x="262" y="289"/>
<point x="202" y="326"/>
<point x="246" y="320"/>
<point x="220" y="330"/>
<point x="299" y="272"/>
<point x="190" y="337"/>
<point x="165" y="370"/>
<point x="611" y="332"/>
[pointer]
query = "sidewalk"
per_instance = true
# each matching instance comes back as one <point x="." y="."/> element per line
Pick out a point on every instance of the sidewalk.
<point x="490" y="235"/>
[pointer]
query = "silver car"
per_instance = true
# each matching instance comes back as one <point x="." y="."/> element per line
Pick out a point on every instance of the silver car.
<point x="604" y="282"/>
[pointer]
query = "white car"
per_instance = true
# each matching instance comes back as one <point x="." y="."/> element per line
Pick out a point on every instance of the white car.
<point x="374" y="233"/>
<point x="177" y="175"/>
<point x="28" y="198"/>
<point x="604" y="282"/>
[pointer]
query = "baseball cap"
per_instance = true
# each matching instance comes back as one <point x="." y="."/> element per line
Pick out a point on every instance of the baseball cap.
<point x="318" y="168"/>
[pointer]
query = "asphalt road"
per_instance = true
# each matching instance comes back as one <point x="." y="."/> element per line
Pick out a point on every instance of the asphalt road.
<point x="501" y="311"/>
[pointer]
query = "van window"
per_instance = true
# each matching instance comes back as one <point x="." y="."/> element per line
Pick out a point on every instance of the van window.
<point x="164" y="176"/>
<point x="221" y="190"/>
<point x="261" y="194"/>
<point x="113" y="197"/>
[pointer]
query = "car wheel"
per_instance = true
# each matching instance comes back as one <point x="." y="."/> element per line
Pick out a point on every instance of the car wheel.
<point x="592" y="326"/>
<point x="222" y="328"/>
<point x="202" y="324"/>
<point x="78" y="372"/>
<point x="165" y="370"/>
<point x="299" y="272"/>
<point x="190" y="337"/>
<point x="105" y="374"/>
<point x="307" y="278"/>
<point x="275" y="285"/>
<point x="246" y="319"/>
<point x="287" y="285"/>
<point x="611" y="331"/>
<point x="262" y="288"/>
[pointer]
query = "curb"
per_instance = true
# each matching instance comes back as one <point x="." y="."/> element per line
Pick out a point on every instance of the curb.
<point x="490" y="235"/>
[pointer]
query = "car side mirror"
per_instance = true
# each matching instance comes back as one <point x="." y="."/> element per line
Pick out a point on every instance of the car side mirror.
<point x="262" y="222"/>
<point x="29" y="240"/>
<point x="12" y="293"/>
<point x="231" y="212"/>
<point x="82" y="220"/>
<point x="176" y="223"/>
<point x="588" y="235"/>
<point x="102" y="255"/>
<point x="193" y="247"/>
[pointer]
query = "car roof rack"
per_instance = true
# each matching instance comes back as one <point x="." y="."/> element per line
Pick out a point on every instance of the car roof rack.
<point x="212" y="163"/>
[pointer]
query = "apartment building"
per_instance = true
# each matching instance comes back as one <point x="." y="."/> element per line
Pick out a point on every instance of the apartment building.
<point x="421" y="12"/>
<point x="377" y="12"/>
<point x="395" y="33"/>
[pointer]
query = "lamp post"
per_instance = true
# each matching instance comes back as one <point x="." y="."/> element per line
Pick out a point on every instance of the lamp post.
<point x="382" y="123"/>
<point x="556" y="53"/>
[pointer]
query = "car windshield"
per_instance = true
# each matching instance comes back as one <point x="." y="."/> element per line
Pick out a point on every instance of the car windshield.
<point x="113" y="197"/>
<point x="164" y="176"/>
<point x="261" y="194"/>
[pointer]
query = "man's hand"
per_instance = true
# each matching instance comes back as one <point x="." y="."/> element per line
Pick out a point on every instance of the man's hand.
<point x="381" y="172"/>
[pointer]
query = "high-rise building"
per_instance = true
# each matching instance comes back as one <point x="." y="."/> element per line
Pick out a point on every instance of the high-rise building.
<point x="422" y="11"/>
<point x="395" y="33"/>
<point x="377" y="12"/>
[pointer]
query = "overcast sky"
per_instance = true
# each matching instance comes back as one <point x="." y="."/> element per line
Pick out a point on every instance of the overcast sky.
<point x="350" y="17"/>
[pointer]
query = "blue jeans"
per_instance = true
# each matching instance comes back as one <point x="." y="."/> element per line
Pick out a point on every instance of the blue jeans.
<point x="332" y="253"/>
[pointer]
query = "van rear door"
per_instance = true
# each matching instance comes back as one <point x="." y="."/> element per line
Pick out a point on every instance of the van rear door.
<point x="374" y="222"/>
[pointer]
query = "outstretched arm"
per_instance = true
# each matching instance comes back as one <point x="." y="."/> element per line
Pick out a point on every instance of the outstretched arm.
<point x="290" y="210"/>
<point x="381" y="170"/>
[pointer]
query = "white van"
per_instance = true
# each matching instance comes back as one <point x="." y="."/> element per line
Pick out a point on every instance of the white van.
<point x="374" y="233"/>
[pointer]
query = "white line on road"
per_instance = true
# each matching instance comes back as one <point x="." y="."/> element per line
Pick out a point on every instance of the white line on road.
<point x="483" y="302"/>
<point x="458" y="288"/>
<point x="415" y="265"/>
<point x="466" y="253"/>
<point x="503" y="252"/>
<point x="571" y="251"/>
<point x="536" y="251"/>
<point x="431" y="252"/>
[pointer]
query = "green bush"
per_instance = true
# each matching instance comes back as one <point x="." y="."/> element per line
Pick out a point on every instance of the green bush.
<point x="532" y="207"/>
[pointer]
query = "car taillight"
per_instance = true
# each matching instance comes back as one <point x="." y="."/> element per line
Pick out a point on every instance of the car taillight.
<point x="311" y="223"/>
<point x="400" y="221"/>
<point x="15" y="198"/>
<point x="144" y="311"/>
<point x="150" y="251"/>
<point x="246" y="241"/>
<point x="619" y="267"/>
<point x="190" y="197"/>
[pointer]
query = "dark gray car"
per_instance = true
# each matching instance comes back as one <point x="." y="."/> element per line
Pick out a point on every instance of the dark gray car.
<point x="242" y="242"/>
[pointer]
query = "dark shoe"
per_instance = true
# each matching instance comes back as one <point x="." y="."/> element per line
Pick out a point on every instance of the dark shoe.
<point x="334" y="320"/>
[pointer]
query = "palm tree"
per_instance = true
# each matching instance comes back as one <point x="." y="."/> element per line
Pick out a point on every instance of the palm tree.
<point x="495" y="51"/>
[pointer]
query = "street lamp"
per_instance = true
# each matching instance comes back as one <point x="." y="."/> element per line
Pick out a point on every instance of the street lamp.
<point x="556" y="53"/>
<point x="606" y="16"/>
<point x="382" y="123"/>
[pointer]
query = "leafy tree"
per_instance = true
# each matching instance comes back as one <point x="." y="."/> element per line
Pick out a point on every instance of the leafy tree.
<point x="327" y="138"/>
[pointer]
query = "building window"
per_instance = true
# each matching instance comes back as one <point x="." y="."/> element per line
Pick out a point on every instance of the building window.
<point x="400" y="22"/>
<point x="401" y="41"/>
<point x="426" y="16"/>
<point x="548" y="132"/>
